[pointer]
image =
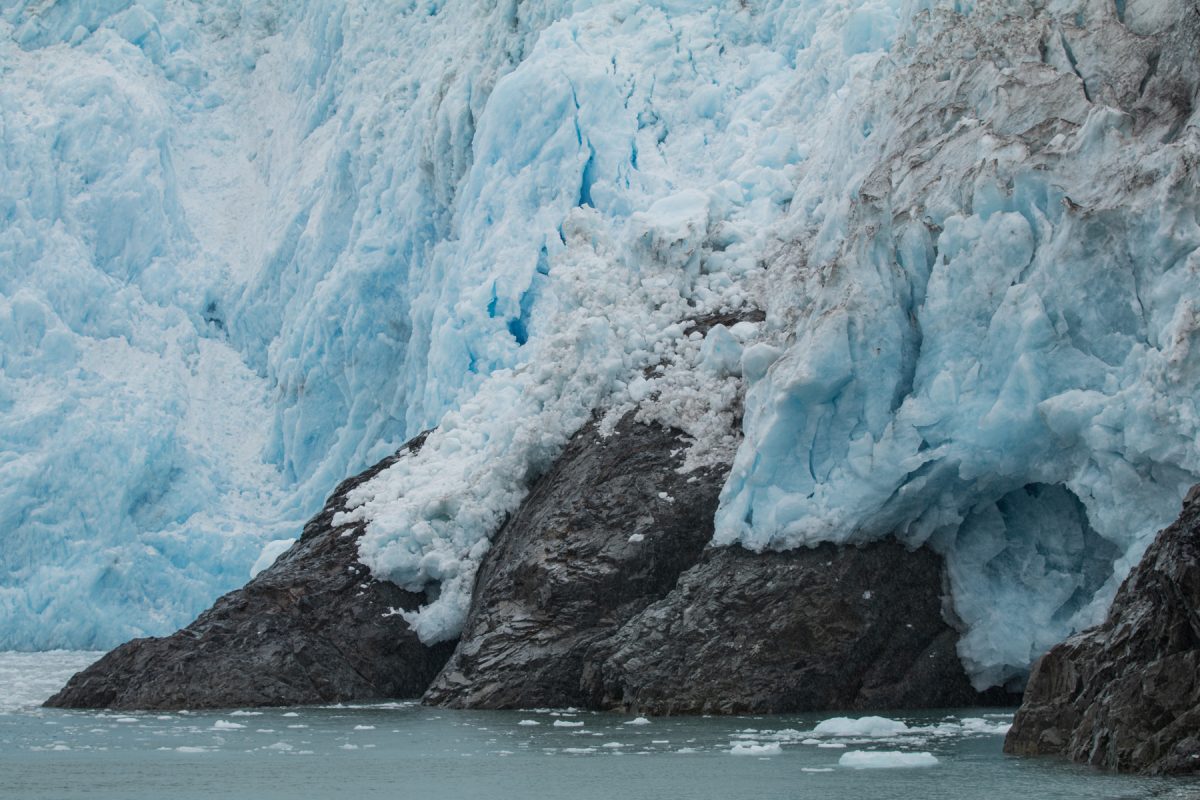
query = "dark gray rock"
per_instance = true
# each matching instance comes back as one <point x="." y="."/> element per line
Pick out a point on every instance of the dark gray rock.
<point x="803" y="630"/>
<point x="1126" y="695"/>
<point x="314" y="627"/>
<point x="603" y="534"/>
<point x="568" y="611"/>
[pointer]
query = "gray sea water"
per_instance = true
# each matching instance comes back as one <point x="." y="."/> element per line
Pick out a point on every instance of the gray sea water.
<point x="402" y="750"/>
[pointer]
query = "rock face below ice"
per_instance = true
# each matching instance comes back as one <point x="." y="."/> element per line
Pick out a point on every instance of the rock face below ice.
<point x="1126" y="694"/>
<point x="809" y="629"/>
<point x="599" y="592"/>
<point x="312" y="627"/>
<point x="603" y="534"/>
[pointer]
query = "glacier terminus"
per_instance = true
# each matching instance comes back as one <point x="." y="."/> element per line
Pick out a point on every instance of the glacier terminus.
<point x="949" y="252"/>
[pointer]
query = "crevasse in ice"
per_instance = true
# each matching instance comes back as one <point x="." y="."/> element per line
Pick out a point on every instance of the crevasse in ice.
<point x="248" y="248"/>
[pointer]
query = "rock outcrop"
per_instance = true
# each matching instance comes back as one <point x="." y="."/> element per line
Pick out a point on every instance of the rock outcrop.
<point x="603" y="534"/>
<point x="313" y="627"/>
<point x="1126" y="694"/>
<point x="804" y="630"/>
<point x="600" y="593"/>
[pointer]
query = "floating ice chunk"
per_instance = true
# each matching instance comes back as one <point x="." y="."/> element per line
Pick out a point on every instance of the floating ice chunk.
<point x="873" y="727"/>
<point x="755" y="749"/>
<point x="637" y="721"/>
<point x="985" y="726"/>
<point x="564" y="723"/>
<point x="529" y="722"/>
<point x="966" y="727"/>
<point x="225" y="725"/>
<point x="885" y="759"/>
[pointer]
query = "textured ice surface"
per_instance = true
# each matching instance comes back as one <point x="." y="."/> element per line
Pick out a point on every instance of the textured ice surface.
<point x="248" y="248"/>
<point x="994" y="299"/>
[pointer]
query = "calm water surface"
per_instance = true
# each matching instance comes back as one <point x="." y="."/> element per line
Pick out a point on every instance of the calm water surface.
<point x="401" y="750"/>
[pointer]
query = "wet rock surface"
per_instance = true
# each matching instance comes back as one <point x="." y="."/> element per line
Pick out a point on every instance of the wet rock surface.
<point x="604" y="533"/>
<point x="1125" y="695"/>
<point x="803" y="630"/>
<point x="600" y="593"/>
<point x="313" y="627"/>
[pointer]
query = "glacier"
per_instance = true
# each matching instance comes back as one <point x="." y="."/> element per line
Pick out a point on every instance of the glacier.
<point x="249" y="248"/>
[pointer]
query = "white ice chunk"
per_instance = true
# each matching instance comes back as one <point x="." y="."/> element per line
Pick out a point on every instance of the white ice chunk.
<point x="755" y="749"/>
<point x="886" y="759"/>
<point x="872" y="727"/>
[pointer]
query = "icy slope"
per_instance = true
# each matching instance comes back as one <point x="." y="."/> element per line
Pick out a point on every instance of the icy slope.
<point x="247" y="248"/>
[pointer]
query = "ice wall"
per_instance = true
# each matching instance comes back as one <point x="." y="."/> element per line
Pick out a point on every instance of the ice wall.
<point x="248" y="248"/>
<point x="993" y="295"/>
<point x="130" y="480"/>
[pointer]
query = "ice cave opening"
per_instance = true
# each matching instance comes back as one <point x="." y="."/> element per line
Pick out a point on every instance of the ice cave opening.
<point x="1024" y="570"/>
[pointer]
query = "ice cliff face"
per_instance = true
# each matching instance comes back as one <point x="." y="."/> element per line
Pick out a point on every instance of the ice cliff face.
<point x="995" y="327"/>
<point x="248" y="248"/>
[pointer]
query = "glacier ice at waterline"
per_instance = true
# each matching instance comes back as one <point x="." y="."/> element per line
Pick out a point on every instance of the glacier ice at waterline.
<point x="248" y="248"/>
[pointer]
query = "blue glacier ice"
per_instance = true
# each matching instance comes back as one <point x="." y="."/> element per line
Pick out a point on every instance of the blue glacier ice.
<point x="248" y="248"/>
